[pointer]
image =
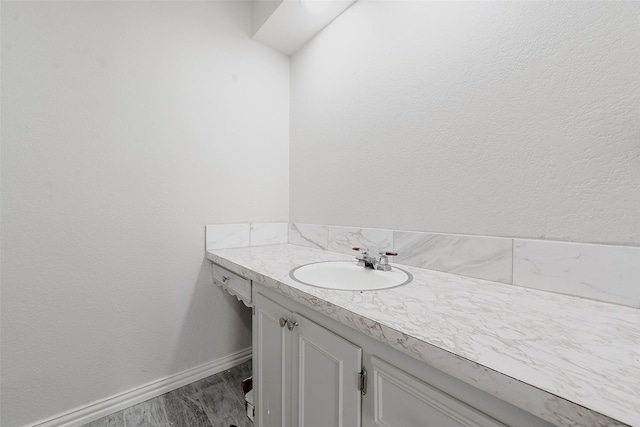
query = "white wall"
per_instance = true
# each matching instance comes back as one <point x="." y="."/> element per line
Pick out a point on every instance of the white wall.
<point x="494" y="118"/>
<point x="126" y="127"/>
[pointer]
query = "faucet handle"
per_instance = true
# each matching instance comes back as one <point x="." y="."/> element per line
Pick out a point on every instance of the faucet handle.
<point x="361" y="250"/>
<point x="387" y="253"/>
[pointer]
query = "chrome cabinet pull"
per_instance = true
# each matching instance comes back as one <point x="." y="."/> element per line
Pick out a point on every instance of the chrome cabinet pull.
<point x="225" y="279"/>
<point x="283" y="322"/>
<point x="291" y="324"/>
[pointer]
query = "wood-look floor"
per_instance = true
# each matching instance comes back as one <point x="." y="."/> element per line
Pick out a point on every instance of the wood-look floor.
<point x="215" y="401"/>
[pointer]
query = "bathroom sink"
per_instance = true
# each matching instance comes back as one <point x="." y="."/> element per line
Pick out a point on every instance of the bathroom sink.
<point x="347" y="275"/>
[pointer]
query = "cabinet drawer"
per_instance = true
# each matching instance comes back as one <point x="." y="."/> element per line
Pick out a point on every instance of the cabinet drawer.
<point x="232" y="283"/>
<point x="401" y="400"/>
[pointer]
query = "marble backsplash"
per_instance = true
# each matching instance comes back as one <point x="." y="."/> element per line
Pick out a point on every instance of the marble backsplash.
<point x="607" y="273"/>
<point x="600" y="272"/>
<point x="309" y="235"/>
<point x="344" y="239"/>
<point x="480" y="257"/>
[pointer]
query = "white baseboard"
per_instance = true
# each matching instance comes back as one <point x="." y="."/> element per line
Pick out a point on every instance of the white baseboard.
<point x="101" y="408"/>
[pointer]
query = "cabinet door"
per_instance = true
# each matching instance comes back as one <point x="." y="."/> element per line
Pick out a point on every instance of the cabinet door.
<point x="325" y="377"/>
<point x="272" y="350"/>
<point x="397" y="399"/>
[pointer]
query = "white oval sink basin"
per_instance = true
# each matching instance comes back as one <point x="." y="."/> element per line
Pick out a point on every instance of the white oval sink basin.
<point x="347" y="275"/>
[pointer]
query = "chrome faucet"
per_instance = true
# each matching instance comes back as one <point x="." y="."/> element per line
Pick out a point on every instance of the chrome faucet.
<point x="381" y="262"/>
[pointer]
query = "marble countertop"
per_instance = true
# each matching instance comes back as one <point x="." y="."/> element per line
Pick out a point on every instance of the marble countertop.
<point x="568" y="360"/>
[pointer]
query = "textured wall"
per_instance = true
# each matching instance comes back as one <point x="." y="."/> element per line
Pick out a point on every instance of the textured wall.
<point x="126" y="127"/>
<point x="496" y="118"/>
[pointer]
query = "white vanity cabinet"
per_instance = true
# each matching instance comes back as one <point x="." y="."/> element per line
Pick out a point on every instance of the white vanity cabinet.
<point x="308" y="373"/>
<point x="304" y="375"/>
<point x="397" y="399"/>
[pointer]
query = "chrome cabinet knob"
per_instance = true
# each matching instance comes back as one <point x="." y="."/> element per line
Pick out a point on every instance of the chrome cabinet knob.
<point x="291" y="324"/>
<point x="225" y="279"/>
<point x="283" y="322"/>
